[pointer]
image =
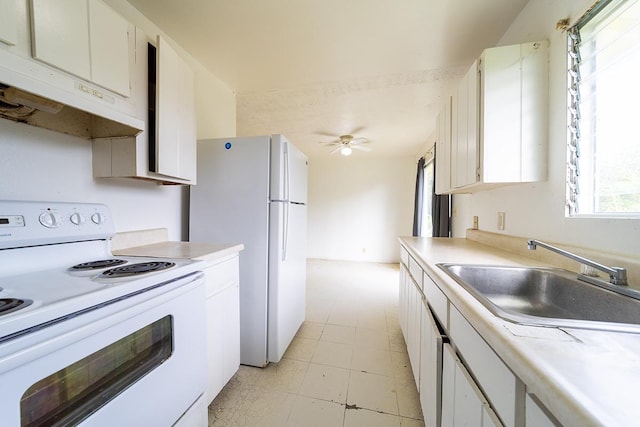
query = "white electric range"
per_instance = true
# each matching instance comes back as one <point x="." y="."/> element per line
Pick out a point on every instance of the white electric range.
<point x="87" y="338"/>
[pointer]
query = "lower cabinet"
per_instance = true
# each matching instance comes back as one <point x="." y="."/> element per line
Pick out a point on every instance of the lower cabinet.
<point x="223" y="323"/>
<point x="430" y="384"/>
<point x="461" y="380"/>
<point x="463" y="404"/>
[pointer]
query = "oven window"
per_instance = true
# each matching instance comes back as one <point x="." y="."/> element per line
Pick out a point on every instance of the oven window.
<point x="72" y="394"/>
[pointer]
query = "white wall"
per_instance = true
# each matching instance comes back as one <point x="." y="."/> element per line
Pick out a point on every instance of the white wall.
<point x="537" y="210"/>
<point x="358" y="206"/>
<point x="37" y="164"/>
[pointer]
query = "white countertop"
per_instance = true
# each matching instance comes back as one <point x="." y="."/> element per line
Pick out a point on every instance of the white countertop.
<point x="584" y="377"/>
<point x="190" y="250"/>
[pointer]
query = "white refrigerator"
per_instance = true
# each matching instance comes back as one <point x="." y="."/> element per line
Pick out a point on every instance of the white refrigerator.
<point x="253" y="190"/>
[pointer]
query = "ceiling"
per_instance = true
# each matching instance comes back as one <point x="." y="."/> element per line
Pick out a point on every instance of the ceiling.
<point x="316" y="69"/>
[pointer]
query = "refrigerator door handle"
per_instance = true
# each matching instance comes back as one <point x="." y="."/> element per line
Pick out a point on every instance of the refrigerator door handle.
<point x="287" y="174"/>
<point x="285" y="231"/>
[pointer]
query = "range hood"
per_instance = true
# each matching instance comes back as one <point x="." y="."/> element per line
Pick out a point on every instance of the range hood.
<point x="25" y="107"/>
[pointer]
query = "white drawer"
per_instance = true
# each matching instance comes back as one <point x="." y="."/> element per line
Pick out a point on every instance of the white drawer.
<point x="494" y="378"/>
<point x="416" y="272"/>
<point x="437" y="300"/>
<point x="221" y="274"/>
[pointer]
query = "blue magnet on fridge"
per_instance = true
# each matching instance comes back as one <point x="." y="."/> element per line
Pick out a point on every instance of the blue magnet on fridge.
<point x="227" y="145"/>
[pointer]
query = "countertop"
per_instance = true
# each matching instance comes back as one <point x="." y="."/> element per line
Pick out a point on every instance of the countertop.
<point x="192" y="250"/>
<point x="584" y="377"/>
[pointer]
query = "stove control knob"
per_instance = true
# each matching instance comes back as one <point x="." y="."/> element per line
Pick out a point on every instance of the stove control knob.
<point x="77" y="219"/>
<point x="97" y="218"/>
<point x="49" y="220"/>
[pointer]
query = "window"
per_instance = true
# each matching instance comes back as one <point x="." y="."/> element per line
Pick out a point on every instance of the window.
<point x="603" y="174"/>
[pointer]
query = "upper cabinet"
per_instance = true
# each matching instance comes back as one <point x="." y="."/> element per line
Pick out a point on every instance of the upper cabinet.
<point x="443" y="149"/>
<point x="498" y="121"/>
<point x="166" y="151"/>
<point x="175" y="126"/>
<point x="85" y="38"/>
<point x="8" y="22"/>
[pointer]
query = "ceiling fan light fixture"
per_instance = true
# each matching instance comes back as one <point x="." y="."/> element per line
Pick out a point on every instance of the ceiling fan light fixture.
<point x="346" y="151"/>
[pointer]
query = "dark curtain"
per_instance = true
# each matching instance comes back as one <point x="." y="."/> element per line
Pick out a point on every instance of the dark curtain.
<point x="440" y="211"/>
<point x="417" y="209"/>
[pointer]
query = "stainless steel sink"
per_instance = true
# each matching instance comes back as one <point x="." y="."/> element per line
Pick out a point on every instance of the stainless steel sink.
<point x="549" y="297"/>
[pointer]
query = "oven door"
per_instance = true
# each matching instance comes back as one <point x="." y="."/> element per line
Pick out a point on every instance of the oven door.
<point x="139" y="361"/>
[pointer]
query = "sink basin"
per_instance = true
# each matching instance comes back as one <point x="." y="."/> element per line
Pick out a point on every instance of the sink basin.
<point x="548" y="297"/>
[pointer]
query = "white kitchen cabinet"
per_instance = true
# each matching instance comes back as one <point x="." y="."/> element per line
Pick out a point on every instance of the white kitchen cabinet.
<point x="431" y="342"/>
<point x="223" y="323"/>
<point x="110" y="47"/>
<point x="9" y="22"/>
<point x="443" y="149"/>
<point x="85" y="38"/>
<point x="496" y="380"/>
<point x="464" y="140"/>
<point x="536" y="416"/>
<point x="463" y="404"/>
<point x="413" y="330"/>
<point x="139" y="157"/>
<point x="175" y="127"/>
<point x="499" y="120"/>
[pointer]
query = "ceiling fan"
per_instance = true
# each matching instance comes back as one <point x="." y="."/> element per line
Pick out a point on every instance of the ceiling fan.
<point x="345" y="144"/>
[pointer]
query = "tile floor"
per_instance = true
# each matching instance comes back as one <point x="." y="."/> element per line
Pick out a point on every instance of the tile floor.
<point x="347" y="366"/>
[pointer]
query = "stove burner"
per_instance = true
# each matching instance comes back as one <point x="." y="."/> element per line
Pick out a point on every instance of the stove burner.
<point x="7" y="305"/>
<point x="95" y="265"/>
<point x="139" y="268"/>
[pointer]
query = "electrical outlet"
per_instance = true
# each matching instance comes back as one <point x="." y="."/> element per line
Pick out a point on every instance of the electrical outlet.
<point x="500" y="220"/>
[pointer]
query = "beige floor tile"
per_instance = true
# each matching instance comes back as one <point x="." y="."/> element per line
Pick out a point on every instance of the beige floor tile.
<point x="343" y="317"/>
<point x="402" y="368"/>
<point x="287" y="375"/>
<point x="326" y="383"/>
<point x="374" y="319"/>
<point x="339" y="334"/>
<point x="397" y="343"/>
<point x="408" y="401"/>
<point x="333" y="354"/>
<point x="363" y="417"/>
<point x="262" y="409"/>
<point x="410" y="422"/>
<point x="372" y="338"/>
<point x="373" y="391"/>
<point x="372" y="360"/>
<point x="312" y="330"/>
<point x="301" y="349"/>
<point x="226" y="403"/>
<point x="309" y="412"/>
<point x="351" y="315"/>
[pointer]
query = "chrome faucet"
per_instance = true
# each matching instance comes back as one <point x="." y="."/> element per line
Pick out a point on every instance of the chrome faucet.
<point x="617" y="275"/>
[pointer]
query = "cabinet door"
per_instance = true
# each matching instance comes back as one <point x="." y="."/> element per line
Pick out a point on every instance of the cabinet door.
<point x="109" y="48"/>
<point x="430" y="368"/>
<point x="61" y="35"/>
<point x="9" y="22"/>
<point x="465" y="145"/>
<point x="443" y="149"/>
<point x="175" y="112"/>
<point x="536" y="416"/>
<point x="223" y="324"/>
<point x="462" y="401"/>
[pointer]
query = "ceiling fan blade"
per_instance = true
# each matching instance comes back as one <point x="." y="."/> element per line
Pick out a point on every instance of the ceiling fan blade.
<point x="335" y="150"/>
<point x="357" y="130"/>
<point x="360" y="140"/>
<point x="334" y="142"/>
<point x="327" y="134"/>
<point x="360" y="147"/>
